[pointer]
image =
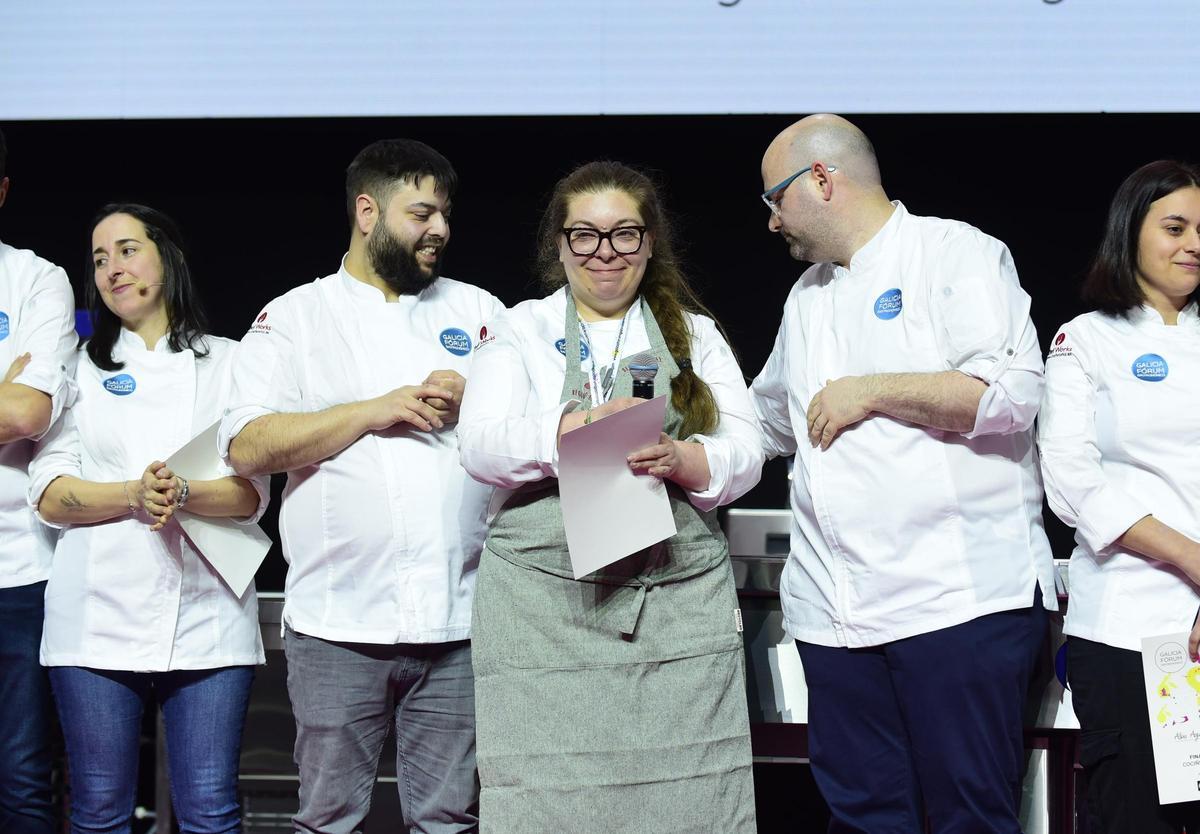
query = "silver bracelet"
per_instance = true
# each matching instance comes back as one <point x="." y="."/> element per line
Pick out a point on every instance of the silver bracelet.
<point x="129" y="501"/>
<point x="184" y="492"/>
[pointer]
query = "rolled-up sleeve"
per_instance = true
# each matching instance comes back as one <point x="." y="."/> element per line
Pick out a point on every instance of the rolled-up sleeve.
<point x="261" y="483"/>
<point x="47" y="334"/>
<point x="499" y="442"/>
<point x="58" y="454"/>
<point x="264" y="379"/>
<point x="982" y="323"/>
<point x="1076" y="487"/>
<point x="734" y="450"/>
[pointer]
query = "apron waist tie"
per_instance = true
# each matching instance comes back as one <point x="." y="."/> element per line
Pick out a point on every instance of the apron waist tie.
<point x="633" y="609"/>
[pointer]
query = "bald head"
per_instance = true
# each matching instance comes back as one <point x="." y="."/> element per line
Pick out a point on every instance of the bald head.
<point x="829" y="139"/>
<point x="831" y="201"/>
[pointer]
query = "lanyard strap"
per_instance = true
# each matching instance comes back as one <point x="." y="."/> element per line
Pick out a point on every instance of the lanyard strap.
<point x="602" y="389"/>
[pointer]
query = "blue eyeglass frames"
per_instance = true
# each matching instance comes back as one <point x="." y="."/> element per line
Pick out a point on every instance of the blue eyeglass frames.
<point x="772" y="195"/>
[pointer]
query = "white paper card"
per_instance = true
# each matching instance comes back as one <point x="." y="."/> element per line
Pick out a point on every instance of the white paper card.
<point x="608" y="511"/>
<point x="1173" y="700"/>
<point x="234" y="550"/>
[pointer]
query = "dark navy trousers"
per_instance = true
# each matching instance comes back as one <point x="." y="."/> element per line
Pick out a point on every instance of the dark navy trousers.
<point x="929" y="726"/>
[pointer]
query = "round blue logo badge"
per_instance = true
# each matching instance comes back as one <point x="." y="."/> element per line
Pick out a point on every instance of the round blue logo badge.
<point x="1150" y="367"/>
<point x="122" y="385"/>
<point x="456" y="341"/>
<point x="584" y="352"/>
<point x="3" y="326"/>
<point x="889" y="305"/>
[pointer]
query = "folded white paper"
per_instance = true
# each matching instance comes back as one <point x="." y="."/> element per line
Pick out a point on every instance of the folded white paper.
<point x="234" y="550"/>
<point x="608" y="511"/>
<point x="1173" y="701"/>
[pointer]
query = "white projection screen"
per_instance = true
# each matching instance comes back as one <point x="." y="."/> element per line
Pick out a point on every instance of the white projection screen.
<point x="78" y="59"/>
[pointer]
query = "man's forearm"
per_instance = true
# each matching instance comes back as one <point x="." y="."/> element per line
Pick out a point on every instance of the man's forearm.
<point x="946" y="400"/>
<point x="286" y="442"/>
<point x="24" y="411"/>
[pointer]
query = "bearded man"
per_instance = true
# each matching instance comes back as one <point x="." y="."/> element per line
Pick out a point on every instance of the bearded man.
<point x="351" y="385"/>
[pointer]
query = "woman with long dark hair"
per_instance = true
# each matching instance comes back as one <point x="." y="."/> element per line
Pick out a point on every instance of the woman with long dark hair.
<point x="1118" y="432"/>
<point x="133" y="611"/>
<point x="615" y="702"/>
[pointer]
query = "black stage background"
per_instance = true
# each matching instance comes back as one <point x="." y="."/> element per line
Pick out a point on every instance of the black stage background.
<point x="261" y="201"/>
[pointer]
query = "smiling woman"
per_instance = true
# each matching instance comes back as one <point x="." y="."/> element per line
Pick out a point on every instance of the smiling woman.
<point x="622" y="691"/>
<point x="128" y="273"/>
<point x="132" y="609"/>
<point x="1117" y="434"/>
<point x="604" y="250"/>
<point x="141" y="283"/>
<point x="1168" y="263"/>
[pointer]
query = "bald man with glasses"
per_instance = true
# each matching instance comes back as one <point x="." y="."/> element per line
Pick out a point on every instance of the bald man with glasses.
<point x="905" y="379"/>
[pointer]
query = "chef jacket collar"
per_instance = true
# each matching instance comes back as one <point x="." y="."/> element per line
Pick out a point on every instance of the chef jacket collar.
<point x="130" y="341"/>
<point x="875" y="248"/>
<point x="1145" y="314"/>
<point x="361" y="292"/>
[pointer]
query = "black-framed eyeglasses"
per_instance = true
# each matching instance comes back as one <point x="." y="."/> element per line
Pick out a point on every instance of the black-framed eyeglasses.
<point x="624" y="240"/>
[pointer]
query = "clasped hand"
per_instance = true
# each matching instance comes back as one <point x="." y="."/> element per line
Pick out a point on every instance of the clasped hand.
<point x="453" y="382"/>
<point x="157" y="494"/>
<point x="428" y="406"/>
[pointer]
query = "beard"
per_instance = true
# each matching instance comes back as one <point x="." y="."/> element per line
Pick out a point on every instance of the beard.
<point x="809" y="245"/>
<point x="799" y="249"/>
<point x="397" y="263"/>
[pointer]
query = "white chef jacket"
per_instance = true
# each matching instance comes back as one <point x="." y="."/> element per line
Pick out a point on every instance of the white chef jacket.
<point x="900" y="529"/>
<point x="382" y="539"/>
<point x="122" y="596"/>
<point x="1119" y="432"/>
<point x="508" y="427"/>
<point x="37" y="316"/>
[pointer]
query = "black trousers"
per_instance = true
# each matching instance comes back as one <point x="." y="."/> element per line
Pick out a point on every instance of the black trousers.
<point x="1115" y="749"/>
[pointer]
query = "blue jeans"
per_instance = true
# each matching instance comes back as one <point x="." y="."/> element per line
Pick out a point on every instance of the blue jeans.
<point x="344" y="696"/>
<point x="101" y="715"/>
<point x="26" y="715"/>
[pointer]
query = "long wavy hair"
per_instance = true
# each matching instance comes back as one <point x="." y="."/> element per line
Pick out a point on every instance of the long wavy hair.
<point x="1111" y="284"/>
<point x="186" y="323"/>
<point x="664" y="286"/>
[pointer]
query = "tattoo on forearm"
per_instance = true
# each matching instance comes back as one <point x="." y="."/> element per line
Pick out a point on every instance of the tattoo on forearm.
<point x="71" y="501"/>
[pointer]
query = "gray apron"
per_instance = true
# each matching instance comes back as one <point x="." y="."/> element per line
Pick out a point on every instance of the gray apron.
<point x="615" y="703"/>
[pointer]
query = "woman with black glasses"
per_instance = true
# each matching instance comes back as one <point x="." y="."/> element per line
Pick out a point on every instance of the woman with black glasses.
<point x="615" y="702"/>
